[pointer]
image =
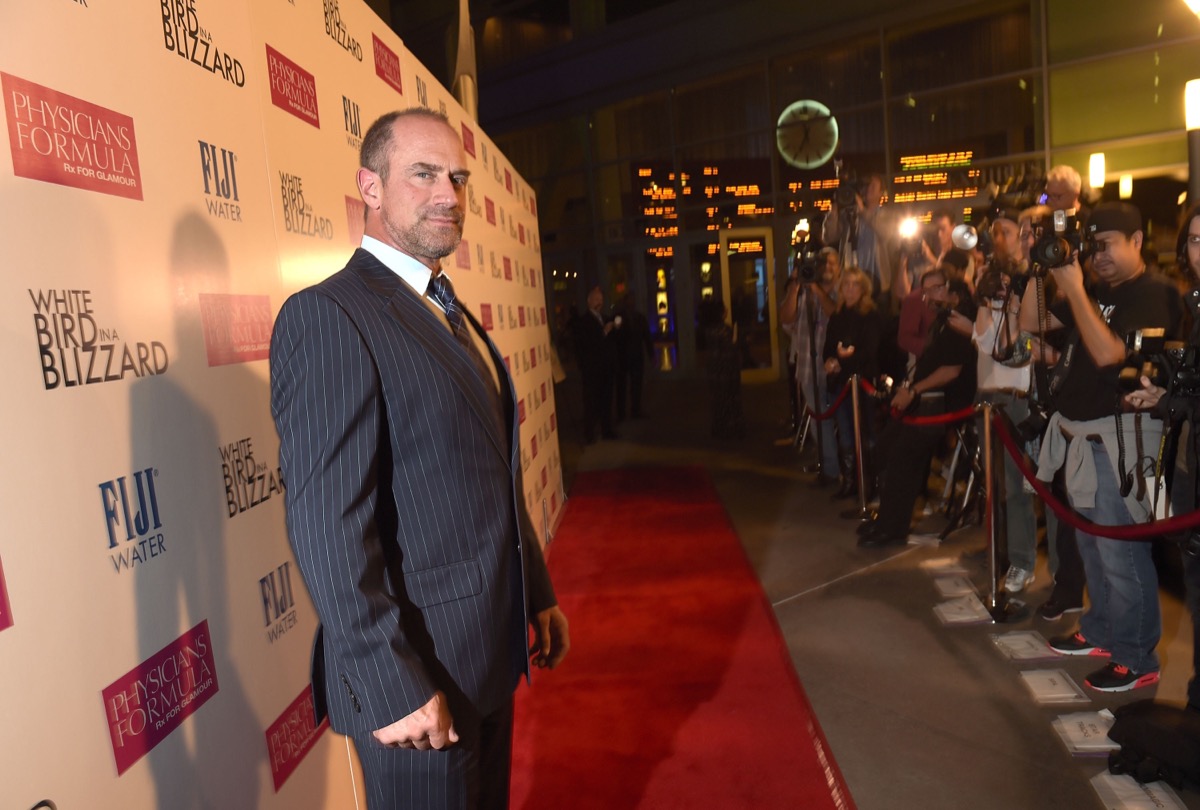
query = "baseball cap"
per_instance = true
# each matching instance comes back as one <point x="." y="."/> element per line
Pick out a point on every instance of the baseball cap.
<point x="1115" y="216"/>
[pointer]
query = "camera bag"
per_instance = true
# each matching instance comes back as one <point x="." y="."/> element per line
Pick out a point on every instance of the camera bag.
<point x="1158" y="743"/>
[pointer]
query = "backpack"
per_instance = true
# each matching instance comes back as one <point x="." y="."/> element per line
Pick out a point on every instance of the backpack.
<point x="1158" y="743"/>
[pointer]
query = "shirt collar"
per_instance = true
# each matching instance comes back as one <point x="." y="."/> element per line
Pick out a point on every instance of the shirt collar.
<point x="411" y="271"/>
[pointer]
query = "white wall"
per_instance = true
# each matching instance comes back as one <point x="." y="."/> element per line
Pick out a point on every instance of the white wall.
<point x="156" y="210"/>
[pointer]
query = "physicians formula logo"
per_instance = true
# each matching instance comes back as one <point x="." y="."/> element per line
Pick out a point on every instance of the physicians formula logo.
<point x="293" y="88"/>
<point x="237" y="328"/>
<point x="387" y="64"/>
<point x="57" y="138"/>
<point x="146" y="704"/>
<point x="6" y="617"/>
<point x="292" y="736"/>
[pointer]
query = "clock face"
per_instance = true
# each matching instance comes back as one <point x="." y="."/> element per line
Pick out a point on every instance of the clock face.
<point x="807" y="134"/>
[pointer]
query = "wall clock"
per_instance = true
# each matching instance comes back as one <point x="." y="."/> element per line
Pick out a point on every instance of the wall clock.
<point x="807" y="134"/>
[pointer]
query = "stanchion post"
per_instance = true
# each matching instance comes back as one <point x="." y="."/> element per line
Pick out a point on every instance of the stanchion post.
<point x="860" y="462"/>
<point x="989" y="501"/>
<point x="998" y="605"/>
<point x="862" y="513"/>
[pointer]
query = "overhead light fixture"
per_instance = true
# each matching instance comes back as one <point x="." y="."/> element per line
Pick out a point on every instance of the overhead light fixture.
<point x="1191" y="118"/>
<point x="1191" y="100"/>
<point x="1125" y="186"/>
<point x="1096" y="170"/>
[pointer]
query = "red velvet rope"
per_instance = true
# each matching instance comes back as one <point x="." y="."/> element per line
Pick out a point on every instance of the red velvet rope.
<point x="940" y="419"/>
<point x="1140" y="531"/>
<point x="821" y="417"/>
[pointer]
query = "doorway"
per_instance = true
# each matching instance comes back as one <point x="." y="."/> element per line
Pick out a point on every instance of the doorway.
<point x="748" y="285"/>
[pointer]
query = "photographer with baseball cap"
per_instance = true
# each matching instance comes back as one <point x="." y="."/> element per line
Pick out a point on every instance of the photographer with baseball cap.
<point x="1102" y="444"/>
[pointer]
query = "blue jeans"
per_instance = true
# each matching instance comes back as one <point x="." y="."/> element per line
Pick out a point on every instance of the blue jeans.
<point x="829" y="445"/>
<point x="1122" y="584"/>
<point x="1020" y="519"/>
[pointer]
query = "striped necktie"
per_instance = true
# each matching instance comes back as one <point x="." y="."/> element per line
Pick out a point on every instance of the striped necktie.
<point x="442" y="291"/>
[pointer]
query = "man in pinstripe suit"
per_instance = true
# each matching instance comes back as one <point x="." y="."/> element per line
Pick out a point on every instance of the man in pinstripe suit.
<point x="405" y="506"/>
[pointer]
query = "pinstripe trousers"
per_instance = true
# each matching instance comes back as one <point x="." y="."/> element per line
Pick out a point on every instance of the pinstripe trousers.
<point x="473" y="774"/>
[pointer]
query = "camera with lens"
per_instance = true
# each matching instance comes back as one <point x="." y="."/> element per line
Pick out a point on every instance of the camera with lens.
<point x="912" y="234"/>
<point x="846" y="194"/>
<point x="1169" y="364"/>
<point x="806" y="253"/>
<point x="1057" y="239"/>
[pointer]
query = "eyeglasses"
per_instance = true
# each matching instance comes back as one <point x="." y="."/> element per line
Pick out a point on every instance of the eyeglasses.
<point x="931" y="287"/>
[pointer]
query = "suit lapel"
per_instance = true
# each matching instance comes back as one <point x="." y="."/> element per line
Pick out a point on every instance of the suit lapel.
<point x="412" y="314"/>
<point x="508" y="393"/>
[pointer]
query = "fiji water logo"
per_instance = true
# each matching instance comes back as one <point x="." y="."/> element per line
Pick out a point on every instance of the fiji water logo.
<point x="218" y="169"/>
<point x="132" y="518"/>
<point x="352" y="122"/>
<point x="278" y="601"/>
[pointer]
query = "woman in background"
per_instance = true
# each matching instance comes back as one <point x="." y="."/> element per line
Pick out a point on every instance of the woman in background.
<point x="852" y="347"/>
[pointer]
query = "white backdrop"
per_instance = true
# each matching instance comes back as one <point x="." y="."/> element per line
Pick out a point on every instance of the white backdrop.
<point x="171" y="171"/>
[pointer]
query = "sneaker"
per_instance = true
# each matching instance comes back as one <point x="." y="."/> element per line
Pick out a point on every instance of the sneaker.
<point x="1052" y="609"/>
<point x="1117" y="678"/>
<point x="1076" y="644"/>
<point x="1017" y="579"/>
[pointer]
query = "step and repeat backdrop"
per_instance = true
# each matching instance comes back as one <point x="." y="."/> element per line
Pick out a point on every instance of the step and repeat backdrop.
<point x="170" y="171"/>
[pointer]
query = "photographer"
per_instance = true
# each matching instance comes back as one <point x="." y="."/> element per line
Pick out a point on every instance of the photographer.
<point x="1103" y="447"/>
<point x="1005" y="383"/>
<point x="943" y="381"/>
<point x="1181" y="406"/>
<point x="804" y="312"/>
<point x="918" y="255"/>
<point x="1062" y="547"/>
<point x="851" y="223"/>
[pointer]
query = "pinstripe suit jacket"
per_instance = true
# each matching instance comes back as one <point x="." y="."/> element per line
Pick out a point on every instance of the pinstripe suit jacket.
<point x="405" y="506"/>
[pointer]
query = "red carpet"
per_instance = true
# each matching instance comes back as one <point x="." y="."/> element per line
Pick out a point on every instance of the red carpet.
<point x="678" y="691"/>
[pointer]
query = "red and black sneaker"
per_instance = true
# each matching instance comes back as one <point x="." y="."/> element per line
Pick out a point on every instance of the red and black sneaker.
<point x="1117" y="678"/>
<point x="1076" y="644"/>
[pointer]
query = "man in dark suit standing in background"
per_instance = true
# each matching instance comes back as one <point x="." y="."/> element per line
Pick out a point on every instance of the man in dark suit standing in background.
<point x="596" y="354"/>
<point x="405" y="505"/>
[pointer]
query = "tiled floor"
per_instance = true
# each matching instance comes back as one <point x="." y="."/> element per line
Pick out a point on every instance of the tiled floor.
<point x="918" y="714"/>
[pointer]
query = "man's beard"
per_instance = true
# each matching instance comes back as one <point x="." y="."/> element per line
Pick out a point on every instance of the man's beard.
<point x="423" y="241"/>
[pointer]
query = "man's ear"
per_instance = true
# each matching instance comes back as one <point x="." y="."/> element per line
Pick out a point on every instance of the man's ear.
<point x="370" y="187"/>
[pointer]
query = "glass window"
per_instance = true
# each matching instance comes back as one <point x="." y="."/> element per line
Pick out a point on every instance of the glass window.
<point x="839" y="76"/>
<point x="1082" y="28"/>
<point x="730" y="105"/>
<point x="991" y="120"/>
<point x="963" y="51"/>
<point x="564" y="212"/>
<point x="633" y="128"/>
<point x="547" y="149"/>
<point x="1121" y="96"/>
